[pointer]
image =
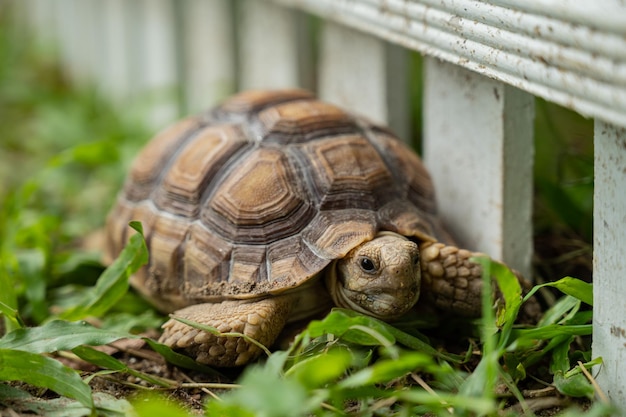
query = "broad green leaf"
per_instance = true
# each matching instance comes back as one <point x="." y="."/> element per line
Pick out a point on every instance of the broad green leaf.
<point x="58" y="335"/>
<point x="449" y="401"/>
<point x="570" y="286"/>
<point x="359" y="329"/>
<point x="41" y="371"/>
<point x="220" y="408"/>
<point x="131" y="323"/>
<point x="113" y="283"/>
<point x="318" y="370"/>
<point x="264" y="393"/>
<point x="21" y="401"/>
<point x="341" y="322"/>
<point x="106" y="361"/>
<point x="386" y="370"/>
<point x="157" y="406"/>
<point x="575" y="385"/>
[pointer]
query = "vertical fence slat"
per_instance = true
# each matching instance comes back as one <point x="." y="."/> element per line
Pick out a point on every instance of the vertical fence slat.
<point x="268" y="46"/>
<point x="66" y="24"/>
<point x="208" y="65"/>
<point x="364" y="74"/>
<point x="478" y="147"/>
<point x="90" y="39"/>
<point x="40" y="18"/>
<point x="114" y="66"/>
<point x="609" y="265"/>
<point x="155" y="60"/>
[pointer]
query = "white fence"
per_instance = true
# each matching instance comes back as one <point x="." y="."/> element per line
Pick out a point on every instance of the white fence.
<point x="485" y="61"/>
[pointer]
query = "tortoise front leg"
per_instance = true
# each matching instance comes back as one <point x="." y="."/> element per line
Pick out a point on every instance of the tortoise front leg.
<point x="261" y="320"/>
<point x="450" y="280"/>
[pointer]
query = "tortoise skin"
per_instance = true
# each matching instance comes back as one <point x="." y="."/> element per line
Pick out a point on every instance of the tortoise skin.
<point x="260" y="194"/>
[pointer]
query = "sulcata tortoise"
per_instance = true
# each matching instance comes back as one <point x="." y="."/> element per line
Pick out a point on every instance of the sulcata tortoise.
<point x="274" y="207"/>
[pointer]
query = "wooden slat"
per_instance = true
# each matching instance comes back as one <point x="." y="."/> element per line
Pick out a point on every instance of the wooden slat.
<point x="208" y="63"/>
<point x="365" y="75"/>
<point x="114" y="75"/>
<point x="89" y="39"/>
<point x="609" y="264"/>
<point x="478" y="146"/>
<point x="66" y="24"/>
<point x="155" y="68"/>
<point x="572" y="53"/>
<point x="38" y="14"/>
<point x="268" y="46"/>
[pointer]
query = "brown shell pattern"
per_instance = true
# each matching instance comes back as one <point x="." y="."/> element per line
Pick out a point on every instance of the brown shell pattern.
<point x="262" y="193"/>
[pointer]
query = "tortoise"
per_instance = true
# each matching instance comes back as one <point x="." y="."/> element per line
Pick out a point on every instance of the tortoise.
<point x="275" y="206"/>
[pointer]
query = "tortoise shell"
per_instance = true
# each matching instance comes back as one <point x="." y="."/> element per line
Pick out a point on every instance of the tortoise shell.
<point x="260" y="194"/>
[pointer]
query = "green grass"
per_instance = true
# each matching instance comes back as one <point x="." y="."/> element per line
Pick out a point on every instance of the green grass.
<point x="65" y="151"/>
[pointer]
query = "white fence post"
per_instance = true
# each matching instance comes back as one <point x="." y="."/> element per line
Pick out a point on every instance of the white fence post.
<point x="155" y="58"/>
<point x="114" y="71"/>
<point x="39" y="15"/>
<point x="66" y="24"/>
<point x="609" y="264"/>
<point x="268" y="46"/>
<point x="364" y="74"/>
<point x="478" y="147"/>
<point x="208" y="66"/>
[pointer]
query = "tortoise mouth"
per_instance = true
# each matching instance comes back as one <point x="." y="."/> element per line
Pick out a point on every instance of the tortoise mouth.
<point x="385" y="305"/>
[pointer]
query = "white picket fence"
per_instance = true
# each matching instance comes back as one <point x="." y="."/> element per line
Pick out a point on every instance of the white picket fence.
<point x="485" y="62"/>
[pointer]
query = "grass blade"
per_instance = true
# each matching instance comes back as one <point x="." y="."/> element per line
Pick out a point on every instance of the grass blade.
<point x="178" y="359"/>
<point x="106" y="361"/>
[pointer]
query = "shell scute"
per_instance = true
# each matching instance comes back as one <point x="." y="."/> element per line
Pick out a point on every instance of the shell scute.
<point x="206" y="263"/>
<point x="348" y="173"/>
<point x="194" y="167"/>
<point x="332" y="234"/>
<point x="259" y="201"/>
<point x="148" y="165"/>
<point x="304" y="121"/>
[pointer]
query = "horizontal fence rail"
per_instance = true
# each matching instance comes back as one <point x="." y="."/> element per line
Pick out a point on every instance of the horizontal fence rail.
<point x="485" y="60"/>
<point x="579" y="63"/>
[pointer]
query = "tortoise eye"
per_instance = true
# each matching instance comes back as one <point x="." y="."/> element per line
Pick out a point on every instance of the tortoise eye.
<point x="367" y="264"/>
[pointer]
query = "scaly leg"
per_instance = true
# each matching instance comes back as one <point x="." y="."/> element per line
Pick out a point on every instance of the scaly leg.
<point x="261" y="320"/>
<point x="450" y="280"/>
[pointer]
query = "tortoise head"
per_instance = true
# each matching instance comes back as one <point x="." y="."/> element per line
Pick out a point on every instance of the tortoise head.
<point x="380" y="277"/>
